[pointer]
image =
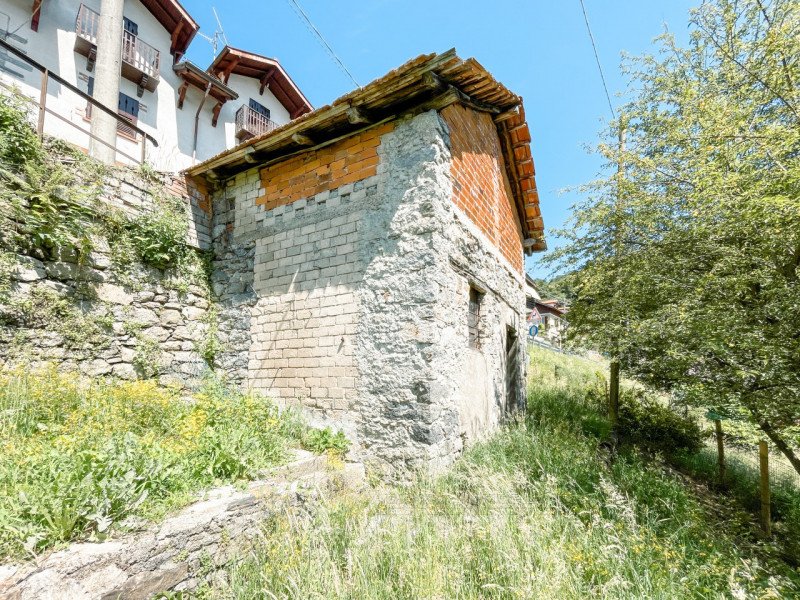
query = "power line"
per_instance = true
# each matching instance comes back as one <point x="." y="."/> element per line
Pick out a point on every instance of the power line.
<point x="302" y="14"/>
<point x="597" y="58"/>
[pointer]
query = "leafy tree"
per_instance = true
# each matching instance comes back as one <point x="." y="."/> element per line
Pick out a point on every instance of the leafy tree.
<point x="690" y="252"/>
<point x="560" y="287"/>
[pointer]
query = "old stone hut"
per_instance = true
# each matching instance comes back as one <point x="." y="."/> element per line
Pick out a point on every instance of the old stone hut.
<point x="368" y="258"/>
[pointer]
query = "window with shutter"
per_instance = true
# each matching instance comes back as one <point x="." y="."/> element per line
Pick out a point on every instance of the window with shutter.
<point x="127" y="107"/>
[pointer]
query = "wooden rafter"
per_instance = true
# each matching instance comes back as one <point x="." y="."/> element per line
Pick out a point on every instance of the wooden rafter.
<point x="265" y="81"/>
<point x="182" y="93"/>
<point x="215" y="113"/>
<point x="173" y="47"/>
<point x="36" y="11"/>
<point x="229" y="69"/>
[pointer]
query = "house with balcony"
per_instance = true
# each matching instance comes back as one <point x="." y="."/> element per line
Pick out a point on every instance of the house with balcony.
<point x="191" y="112"/>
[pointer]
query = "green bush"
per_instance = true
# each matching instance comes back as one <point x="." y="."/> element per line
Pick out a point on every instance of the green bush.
<point x="320" y="441"/>
<point x="18" y="140"/>
<point x="159" y="237"/>
<point x="646" y="422"/>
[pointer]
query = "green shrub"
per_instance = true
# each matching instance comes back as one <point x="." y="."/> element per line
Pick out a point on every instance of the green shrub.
<point x="646" y="422"/>
<point x="18" y="140"/>
<point x="320" y="441"/>
<point x="159" y="236"/>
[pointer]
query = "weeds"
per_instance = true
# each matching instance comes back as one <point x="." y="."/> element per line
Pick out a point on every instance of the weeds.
<point x="81" y="456"/>
<point x="532" y="513"/>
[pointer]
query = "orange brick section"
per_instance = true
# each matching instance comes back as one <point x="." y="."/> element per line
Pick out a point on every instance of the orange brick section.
<point x="480" y="183"/>
<point x="350" y="160"/>
<point x="184" y="186"/>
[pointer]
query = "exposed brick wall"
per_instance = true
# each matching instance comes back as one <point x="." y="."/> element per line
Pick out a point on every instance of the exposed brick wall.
<point x="308" y="174"/>
<point x="480" y="184"/>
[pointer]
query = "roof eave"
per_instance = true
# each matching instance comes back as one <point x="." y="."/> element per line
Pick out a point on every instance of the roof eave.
<point x="427" y="82"/>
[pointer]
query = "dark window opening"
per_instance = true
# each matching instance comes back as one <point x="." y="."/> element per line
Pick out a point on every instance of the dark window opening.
<point x="127" y="107"/>
<point x="513" y="374"/>
<point x="474" y="318"/>
<point x="130" y="26"/>
<point x="259" y="108"/>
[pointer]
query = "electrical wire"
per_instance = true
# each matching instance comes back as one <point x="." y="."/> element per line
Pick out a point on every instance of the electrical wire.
<point x="302" y="14"/>
<point x="597" y="58"/>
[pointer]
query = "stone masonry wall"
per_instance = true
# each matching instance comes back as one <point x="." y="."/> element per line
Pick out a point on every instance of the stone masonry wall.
<point x="87" y="315"/>
<point x="424" y="391"/>
<point x="101" y="325"/>
<point x="186" y="550"/>
<point x="351" y="302"/>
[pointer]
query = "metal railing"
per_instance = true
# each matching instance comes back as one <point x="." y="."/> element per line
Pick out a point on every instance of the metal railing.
<point x="138" y="54"/>
<point x="252" y="123"/>
<point x="140" y="135"/>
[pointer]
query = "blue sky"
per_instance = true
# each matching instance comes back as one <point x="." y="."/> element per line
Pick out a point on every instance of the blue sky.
<point x="537" y="48"/>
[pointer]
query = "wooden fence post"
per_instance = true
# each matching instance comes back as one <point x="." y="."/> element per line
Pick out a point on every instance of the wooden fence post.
<point x="42" y="103"/>
<point x="613" y="393"/>
<point x="720" y="450"/>
<point x="763" y="455"/>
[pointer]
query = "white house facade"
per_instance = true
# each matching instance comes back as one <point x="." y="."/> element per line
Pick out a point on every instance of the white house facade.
<point x="189" y="111"/>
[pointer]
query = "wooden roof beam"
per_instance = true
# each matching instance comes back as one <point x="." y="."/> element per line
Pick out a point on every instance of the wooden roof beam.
<point x="265" y="80"/>
<point x="357" y="116"/>
<point x="173" y="47"/>
<point x="182" y="93"/>
<point x="229" y="69"/>
<point x="215" y="113"/>
<point x="302" y="139"/>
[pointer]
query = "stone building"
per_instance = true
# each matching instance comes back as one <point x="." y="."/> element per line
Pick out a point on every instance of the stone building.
<point x="369" y="260"/>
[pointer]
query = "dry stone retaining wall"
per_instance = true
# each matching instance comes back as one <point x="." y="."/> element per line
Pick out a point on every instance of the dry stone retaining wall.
<point x="87" y="315"/>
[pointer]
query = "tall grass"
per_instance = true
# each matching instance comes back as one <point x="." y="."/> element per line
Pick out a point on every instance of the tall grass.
<point x="79" y="457"/>
<point x="535" y="512"/>
<point x="742" y="482"/>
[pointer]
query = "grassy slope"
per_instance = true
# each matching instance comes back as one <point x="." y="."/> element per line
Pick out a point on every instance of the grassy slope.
<point x="78" y="457"/>
<point x="533" y="512"/>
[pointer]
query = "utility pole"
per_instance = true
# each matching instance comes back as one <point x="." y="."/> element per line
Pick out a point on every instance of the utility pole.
<point x="106" y="80"/>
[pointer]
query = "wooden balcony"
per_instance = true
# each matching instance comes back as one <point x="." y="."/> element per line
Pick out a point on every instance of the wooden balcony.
<point x="140" y="61"/>
<point x="250" y="123"/>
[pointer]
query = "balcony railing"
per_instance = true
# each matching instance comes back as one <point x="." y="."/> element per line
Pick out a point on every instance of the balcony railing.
<point x="250" y="123"/>
<point x="140" y="61"/>
<point x="124" y="123"/>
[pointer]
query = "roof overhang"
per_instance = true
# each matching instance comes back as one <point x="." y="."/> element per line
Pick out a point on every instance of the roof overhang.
<point x="428" y="82"/>
<point x="193" y="75"/>
<point x="179" y="23"/>
<point x="267" y="71"/>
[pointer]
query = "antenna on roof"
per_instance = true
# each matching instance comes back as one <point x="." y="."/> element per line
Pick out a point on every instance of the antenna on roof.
<point x="219" y="34"/>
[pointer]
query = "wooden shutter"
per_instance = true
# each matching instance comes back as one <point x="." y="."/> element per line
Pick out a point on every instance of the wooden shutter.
<point x="129" y="108"/>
